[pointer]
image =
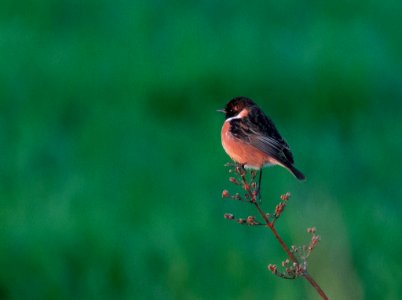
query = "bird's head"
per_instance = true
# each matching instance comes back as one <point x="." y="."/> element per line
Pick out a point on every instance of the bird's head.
<point x="235" y="106"/>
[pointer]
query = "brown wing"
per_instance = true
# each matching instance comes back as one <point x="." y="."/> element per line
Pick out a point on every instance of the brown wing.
<point x="260" y="132"/>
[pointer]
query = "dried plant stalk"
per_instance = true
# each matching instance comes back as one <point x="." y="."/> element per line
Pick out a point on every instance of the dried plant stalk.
<point x="296" y="264"/>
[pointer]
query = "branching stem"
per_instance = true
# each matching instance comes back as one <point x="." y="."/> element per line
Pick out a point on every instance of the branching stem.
<point x="254" y="195"/>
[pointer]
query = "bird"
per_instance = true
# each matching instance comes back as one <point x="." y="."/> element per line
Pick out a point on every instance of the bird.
<point x="251" y="139"/>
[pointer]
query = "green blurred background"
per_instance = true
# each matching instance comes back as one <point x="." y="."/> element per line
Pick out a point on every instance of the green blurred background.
<point x="111" y="167"/>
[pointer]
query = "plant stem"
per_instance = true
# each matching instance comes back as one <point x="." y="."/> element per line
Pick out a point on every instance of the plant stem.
<point x="271" y="226"/>
<point x="305" y="274"/>
<point x="315" y="285"/>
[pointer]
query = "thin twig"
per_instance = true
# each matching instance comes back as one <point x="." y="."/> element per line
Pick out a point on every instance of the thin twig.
<point x="253" y="196"/>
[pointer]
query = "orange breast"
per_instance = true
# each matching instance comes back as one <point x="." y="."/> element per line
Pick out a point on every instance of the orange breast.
<point x="244" y="153"/>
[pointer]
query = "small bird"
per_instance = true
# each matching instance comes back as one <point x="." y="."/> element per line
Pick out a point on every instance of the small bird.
<point x="251" y="139"/>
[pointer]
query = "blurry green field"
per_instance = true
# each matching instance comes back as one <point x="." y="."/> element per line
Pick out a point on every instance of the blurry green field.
<point x="111" y="167"/>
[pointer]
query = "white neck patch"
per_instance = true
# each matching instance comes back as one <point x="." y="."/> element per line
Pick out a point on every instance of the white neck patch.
<point x="243" y="113"/>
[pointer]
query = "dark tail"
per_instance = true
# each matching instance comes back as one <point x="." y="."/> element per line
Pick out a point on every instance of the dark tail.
<point x="299" y="175"/>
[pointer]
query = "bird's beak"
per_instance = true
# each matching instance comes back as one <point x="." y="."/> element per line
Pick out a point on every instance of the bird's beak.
<point x="221" y="110"/>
